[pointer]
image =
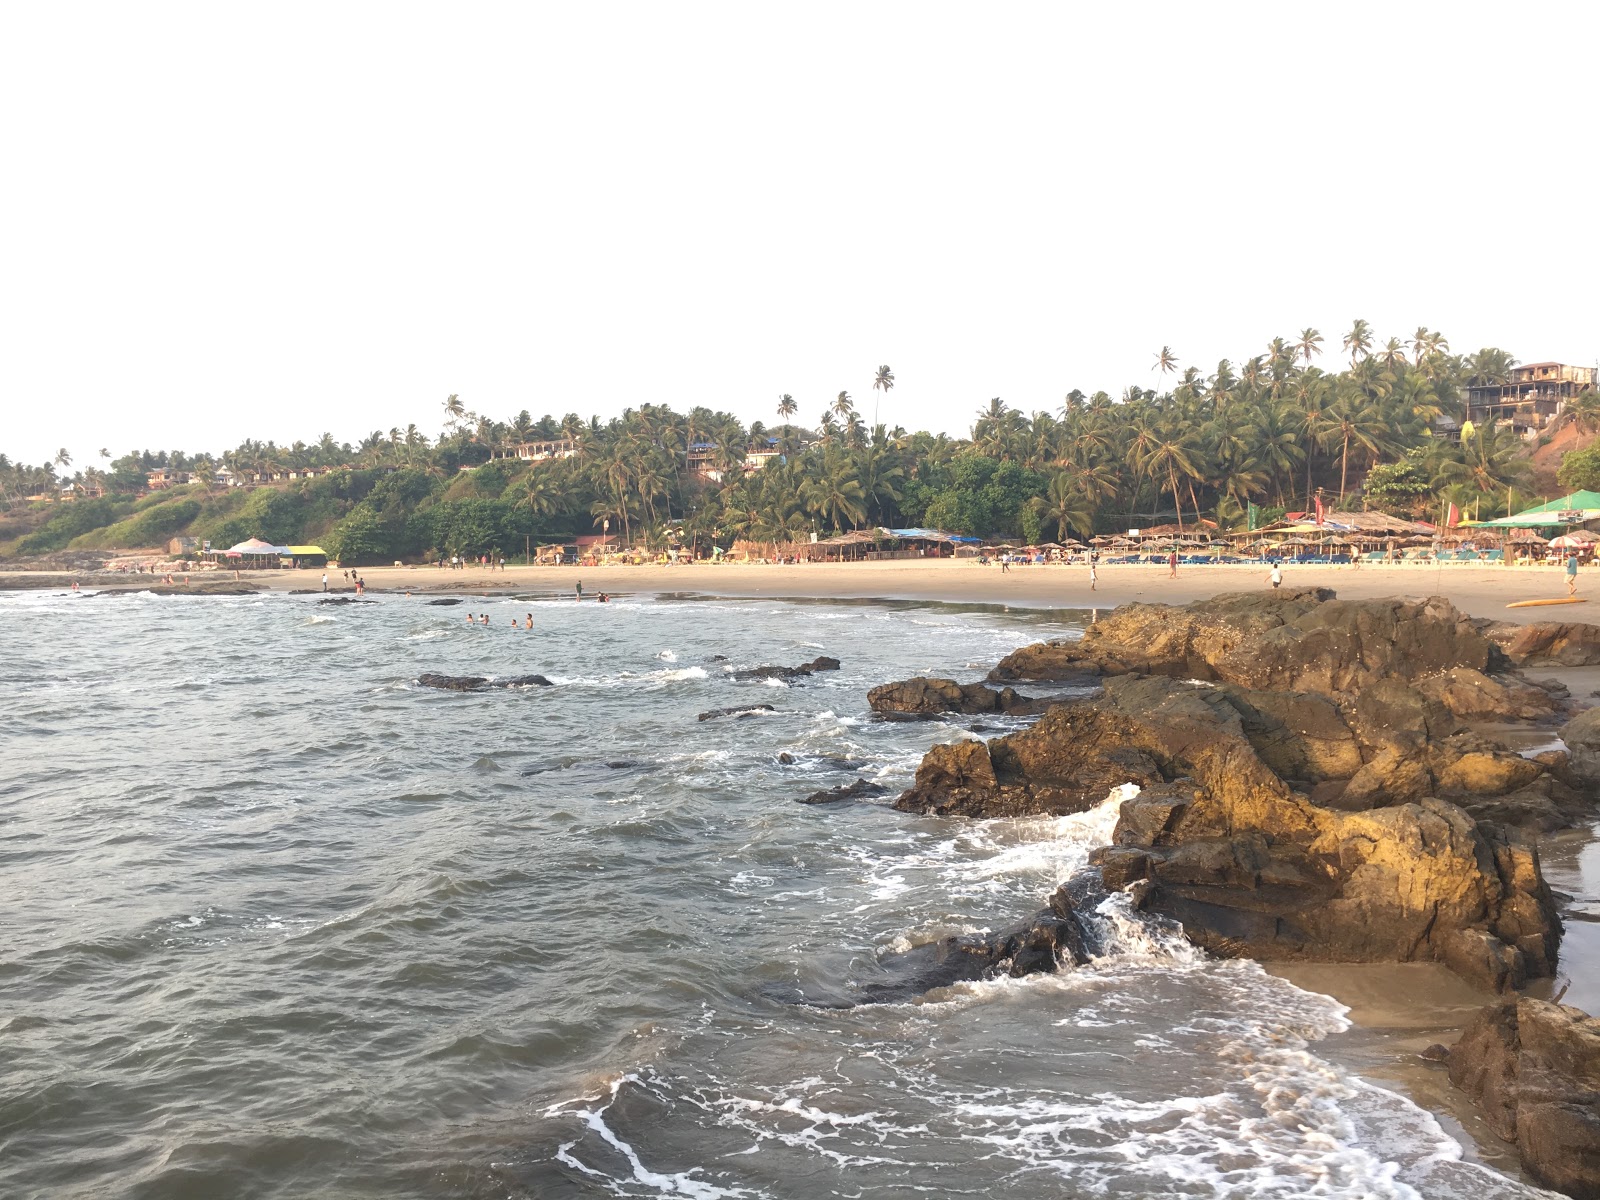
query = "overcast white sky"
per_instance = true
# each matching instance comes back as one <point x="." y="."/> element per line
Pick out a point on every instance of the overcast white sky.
<point x="273" y="220"/>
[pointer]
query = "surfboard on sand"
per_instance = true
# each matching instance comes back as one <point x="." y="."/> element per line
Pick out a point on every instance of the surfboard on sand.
<point x="1541" y="603"/>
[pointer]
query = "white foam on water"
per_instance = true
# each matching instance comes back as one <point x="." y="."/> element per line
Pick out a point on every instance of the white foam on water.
<point x="320" y="619"/>
<point x="666" y="656"/>
<point x="681" y="1183"/>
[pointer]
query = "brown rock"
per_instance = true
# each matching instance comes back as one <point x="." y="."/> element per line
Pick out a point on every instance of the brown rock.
<point x="1472" y="695"/>
<point x="1547" y="643"/>
<point x="926" y="697"/>
<point x="1533" y="1068"/>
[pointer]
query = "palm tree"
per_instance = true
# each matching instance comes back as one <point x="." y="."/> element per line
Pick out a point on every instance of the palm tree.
<point x="1169" y="449"/>
<point x="62" y="458"/>
<point x="1359" y="340"/>
<point x="1067" y="506"/>
<point x="454" y="410"/>
<point x="883" y="383"/>
<point x="787" y="408"/>
<point x="1393" y="354"/>
<point x="1349" y="420"/>
<point x="1310" y="343"/>
<point x="843" y="406"/>
<point x="1166" y="361"/>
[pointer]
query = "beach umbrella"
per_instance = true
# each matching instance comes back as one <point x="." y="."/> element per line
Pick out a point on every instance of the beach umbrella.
<point x="1528" y="537"/>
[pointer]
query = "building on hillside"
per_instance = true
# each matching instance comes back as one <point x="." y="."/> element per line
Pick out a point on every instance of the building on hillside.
<point x="179" y="547"/>
<point x="760" y="454"/>
<point x="1531" y="398"/>
<point x="165" y="477"/>
<point x="545" y="450"/>
<point x="702" y="459"/>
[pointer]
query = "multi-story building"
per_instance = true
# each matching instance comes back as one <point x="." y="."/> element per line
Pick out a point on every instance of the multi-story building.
<point x="1531" y="398"/>
<point x="545" y="450"/>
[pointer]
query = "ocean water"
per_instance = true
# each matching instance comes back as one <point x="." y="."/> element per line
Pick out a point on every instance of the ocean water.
<point x="281" y="923"/>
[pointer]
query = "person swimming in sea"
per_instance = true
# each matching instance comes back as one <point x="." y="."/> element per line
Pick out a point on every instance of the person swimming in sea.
<point x="530" y="621"/>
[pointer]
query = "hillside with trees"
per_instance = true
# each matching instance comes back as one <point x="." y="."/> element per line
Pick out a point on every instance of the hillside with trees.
<point x="1368" y="422"/>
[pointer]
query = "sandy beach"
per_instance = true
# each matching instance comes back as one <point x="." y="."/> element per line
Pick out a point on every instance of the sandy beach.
<point x="1479" y="591"/>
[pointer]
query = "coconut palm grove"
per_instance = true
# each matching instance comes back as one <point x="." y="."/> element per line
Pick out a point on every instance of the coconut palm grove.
<point x="1370" y="424"/>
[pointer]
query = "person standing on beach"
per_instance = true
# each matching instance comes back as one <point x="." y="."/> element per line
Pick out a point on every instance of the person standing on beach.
<point x="1276" y="577"/>
<point x="1572" y="574"/>
<point x="1094" y="575"/>
<point x="324" y="581"/>
<point x="580" y="589"/>
<point x="1172" y="565"/>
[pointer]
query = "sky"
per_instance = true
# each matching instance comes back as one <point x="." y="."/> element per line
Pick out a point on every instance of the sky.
<point x="225" y="221"/>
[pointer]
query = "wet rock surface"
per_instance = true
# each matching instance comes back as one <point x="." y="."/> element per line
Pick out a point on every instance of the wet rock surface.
<point x="738" y="712"/>
<point x="478" y="683"/>
<point x="859" y="789"/>
<point x="1533" y="1068"/>
<point x="771" y="672"/>
<point x="931" y="697"/>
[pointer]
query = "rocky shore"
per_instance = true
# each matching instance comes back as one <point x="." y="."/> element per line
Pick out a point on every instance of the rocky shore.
<point x="1317" y="782"/>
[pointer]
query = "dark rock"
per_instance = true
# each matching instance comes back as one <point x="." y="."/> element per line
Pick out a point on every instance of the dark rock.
<point x="344" y="600"/>
<point x="737" y="712"/>
<point x="476" y="683"/>
<point x="1053" y="938"/>
<point x="859" y="789"/>
<point x="1533" y="1069"/>
<point x="445" y="601"/>
<point x="770" y="672"/>
<point x="928" y="697"/>
<point x="1437" y="1052"/>
<point x="786" y="759"/>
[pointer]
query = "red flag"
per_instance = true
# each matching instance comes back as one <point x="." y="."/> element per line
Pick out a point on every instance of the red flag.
<point x="1319" y="511"/>
<point x="1452" y="518"/>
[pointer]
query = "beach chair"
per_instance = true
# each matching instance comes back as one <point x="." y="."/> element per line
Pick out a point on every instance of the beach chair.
<point x="1494" y="556"/>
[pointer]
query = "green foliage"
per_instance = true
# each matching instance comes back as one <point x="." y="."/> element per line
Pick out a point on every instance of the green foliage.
<point x="69" y="522"/>
<point x="1580" y="469"/>
<point x="1404" y="488"/>
<point x="363" y="537"/>
<point x="150" y="527"/>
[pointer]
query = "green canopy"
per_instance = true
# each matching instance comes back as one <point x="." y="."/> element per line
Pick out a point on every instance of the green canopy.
<point x="1569" y="510"/>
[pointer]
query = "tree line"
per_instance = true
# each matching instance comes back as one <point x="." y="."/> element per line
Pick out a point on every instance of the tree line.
<point x="1361" y="423"/>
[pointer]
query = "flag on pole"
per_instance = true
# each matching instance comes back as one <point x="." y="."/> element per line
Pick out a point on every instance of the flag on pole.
<point x="1452" y="518"/>
<point x="1253" y="517"/>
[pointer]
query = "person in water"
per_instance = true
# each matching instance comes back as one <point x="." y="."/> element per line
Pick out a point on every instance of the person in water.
<point x="580" y="589"/>
<point x="604" y="599"/>
<point x="530" y="621"/>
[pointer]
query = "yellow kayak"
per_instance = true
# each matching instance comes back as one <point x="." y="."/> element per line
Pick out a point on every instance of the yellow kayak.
<point x="1541" y="603"/>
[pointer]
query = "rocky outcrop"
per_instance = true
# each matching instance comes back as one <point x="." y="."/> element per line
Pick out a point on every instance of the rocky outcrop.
<point x="738" y="712"/>
<point x="1054" y="938"/>
<point x="769" y="672"/>
<point x="1220" y="841"/>
<point x="1293" y="641"/>
<point x="932" y="697"/>
<point x="1582" y="738"/>
<point x="1472" y="695"/>
<point x="1546" y="643"/>
<point x="478" y="683"/>
<point x="858" y="789"/>
<point x="1533" y="1068"/>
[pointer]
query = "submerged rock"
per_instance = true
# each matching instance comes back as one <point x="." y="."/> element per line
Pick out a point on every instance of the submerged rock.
<point x="447" y="600"/>
<point x="478" y="683"/>
<point x="1054" y="938"/>
<point x="858" y="789"/>
<point x="737" y="712"/>
<point x="1533" y="1069"/>
<point x="770" y="672"/>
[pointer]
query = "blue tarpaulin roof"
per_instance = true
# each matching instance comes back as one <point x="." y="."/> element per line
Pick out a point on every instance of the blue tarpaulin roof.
<point x="930" y="535"/>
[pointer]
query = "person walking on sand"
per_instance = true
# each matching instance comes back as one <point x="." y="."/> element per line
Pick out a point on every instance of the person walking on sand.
<point x="1572" y="574"/>
<point x="1172" y="565"/>
<point x="1094" y="575"/>
<point x="324" y="581"/>
<point x="1276" y="577"/>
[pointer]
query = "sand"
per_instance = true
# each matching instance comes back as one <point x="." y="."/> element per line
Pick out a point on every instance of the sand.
<point x="1482" y="591"/>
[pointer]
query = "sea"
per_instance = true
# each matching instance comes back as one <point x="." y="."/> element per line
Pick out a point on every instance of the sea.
<point x="280" y="922"/>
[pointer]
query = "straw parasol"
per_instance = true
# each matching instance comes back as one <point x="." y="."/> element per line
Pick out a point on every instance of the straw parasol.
<point x="1528" y="537"/>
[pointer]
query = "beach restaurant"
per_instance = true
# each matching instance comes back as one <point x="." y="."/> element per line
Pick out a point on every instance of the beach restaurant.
<point x="253" y="554"/>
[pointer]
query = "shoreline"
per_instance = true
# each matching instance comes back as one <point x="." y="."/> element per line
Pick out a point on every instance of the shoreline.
<point x="1479" y="591"/>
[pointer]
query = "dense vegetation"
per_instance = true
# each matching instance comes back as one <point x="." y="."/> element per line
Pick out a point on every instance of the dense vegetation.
<point x="1267" y="432"/>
